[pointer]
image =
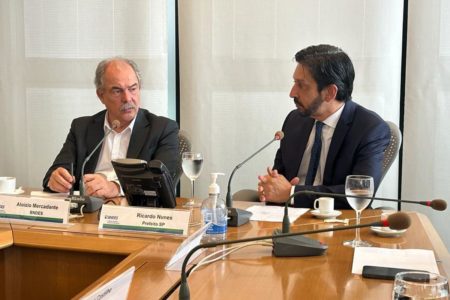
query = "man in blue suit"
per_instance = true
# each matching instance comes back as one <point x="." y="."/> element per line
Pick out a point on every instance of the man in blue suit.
<point x="351" y="139"/>
<point x="134" y="133"/>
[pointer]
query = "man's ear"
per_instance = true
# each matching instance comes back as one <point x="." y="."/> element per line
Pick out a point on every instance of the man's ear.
<point x="100" y="93"/>
<point x="329" y="92"/>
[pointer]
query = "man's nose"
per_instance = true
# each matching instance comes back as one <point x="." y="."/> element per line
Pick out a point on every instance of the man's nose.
<point x="127" y="95"/>
<point x="293" y="93"/>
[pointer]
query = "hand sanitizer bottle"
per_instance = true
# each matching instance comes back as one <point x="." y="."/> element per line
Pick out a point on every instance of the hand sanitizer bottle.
<point x="215" y="211"/>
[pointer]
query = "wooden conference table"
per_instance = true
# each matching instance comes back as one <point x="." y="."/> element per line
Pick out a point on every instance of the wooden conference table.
<point x="38" y="262"/>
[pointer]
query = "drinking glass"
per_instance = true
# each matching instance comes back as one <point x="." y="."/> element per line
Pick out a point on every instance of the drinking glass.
<point x="420" y="285"/>
<point x="362" y="187"/>
<point x="192" y="164"/>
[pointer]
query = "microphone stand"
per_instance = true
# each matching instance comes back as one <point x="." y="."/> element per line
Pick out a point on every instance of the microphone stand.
<point x="89" y="157"/>
<point x="228" y="198"/>
<point x="297" y="244"/>
<point x="236" y="216"/>
<point x="90" y="203"/>
<point x="436" y="204"/>
<point x="184" y="293"/>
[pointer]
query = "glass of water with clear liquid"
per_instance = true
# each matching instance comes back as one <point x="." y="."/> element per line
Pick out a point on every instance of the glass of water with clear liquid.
<point x="362" y="187"/>
<point x="192" y="164"/>
<point x="419" y="286"/>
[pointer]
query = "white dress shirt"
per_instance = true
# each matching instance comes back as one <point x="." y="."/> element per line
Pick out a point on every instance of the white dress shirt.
<point x="115" y="146"/>
<point x="327" y="134"/>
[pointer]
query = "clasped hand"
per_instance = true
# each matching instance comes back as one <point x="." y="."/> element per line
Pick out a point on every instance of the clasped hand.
<point x="274" y="187"/>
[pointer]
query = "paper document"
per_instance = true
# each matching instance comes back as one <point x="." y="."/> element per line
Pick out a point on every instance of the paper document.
<point x="414" y="259"/>
<point x="192" y="241"/>
<point x="115" y="289"/>
<point x="271" y="213"/>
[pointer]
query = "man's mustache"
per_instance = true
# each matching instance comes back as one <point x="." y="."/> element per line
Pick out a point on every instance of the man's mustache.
<point x="127" y="106"/>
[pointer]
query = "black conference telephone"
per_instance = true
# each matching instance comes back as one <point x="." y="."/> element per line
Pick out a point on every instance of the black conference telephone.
<point x="145" y="184"/>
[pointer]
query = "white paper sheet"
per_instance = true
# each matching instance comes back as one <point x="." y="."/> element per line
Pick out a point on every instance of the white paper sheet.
<point x="115" y="289"/>
<point x="414" y="259"/>
<point x="51" y="195"/>
<point x="270" y="213"/>
<point x="176" y="261"/>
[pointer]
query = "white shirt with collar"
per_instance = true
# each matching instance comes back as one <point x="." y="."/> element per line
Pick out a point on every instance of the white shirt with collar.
<point x="327" y="134"/>
<point x="115" y="146"/>
<point x="328" y="128"/>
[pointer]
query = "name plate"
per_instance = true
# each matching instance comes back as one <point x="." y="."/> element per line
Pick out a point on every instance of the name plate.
<point x="34" y="209"/>
<point x="134" y="218"/>
<point x="115" y="289"/>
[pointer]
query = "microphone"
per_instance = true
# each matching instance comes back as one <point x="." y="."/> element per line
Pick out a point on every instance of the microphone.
<point x="397" y="221"/>
<point x="90" y="203"/>
<point x="238" y="217"/>
<point x="437" y="204"/>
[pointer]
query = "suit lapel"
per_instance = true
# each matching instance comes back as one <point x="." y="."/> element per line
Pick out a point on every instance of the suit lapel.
<point x="94" y="134"/>
<point x="340" y="132"/>
<point x="141" y="131"/>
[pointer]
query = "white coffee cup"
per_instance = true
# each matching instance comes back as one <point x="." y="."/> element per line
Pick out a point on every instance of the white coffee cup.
<point x="325" y="205"/>
<point x="7" y="185"/>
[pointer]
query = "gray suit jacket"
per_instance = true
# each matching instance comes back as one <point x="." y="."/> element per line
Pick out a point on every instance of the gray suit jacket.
<point x="357" y="148"/>
<point x="153" y="137"/>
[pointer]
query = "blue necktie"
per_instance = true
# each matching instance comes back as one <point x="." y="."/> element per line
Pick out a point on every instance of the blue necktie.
<point x="315" y="155"/>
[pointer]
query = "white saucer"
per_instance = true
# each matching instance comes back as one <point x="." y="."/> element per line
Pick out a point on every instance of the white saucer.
<point x="320" y="215"/>
<point x="18" y="191"/>
<point x="386" y="231"/>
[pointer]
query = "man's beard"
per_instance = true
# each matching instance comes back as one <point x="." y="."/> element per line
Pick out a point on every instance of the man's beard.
<point x="311" y="109"/>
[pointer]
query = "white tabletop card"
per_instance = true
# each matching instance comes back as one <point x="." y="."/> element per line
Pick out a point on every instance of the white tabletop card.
<point x="34" y="209"/>
<point x="272" y="213"/>
<point x="115" y="289"/>
<point x="42" y="194"/>
<point x="413" y="259"/>
<point x="177" y="259"/>
<point x="134" y="218"/>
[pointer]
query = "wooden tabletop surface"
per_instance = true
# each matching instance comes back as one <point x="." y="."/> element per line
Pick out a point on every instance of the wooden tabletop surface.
<point x="250" y="273"/>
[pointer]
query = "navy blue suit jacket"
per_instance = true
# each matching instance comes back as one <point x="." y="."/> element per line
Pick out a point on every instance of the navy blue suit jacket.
<point x="357" y="148"/>
<point x="153" y="137"/>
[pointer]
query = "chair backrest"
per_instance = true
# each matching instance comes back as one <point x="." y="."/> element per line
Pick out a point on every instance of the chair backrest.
<point x="391" y="152"/>
<point x="184" y="145"/>
<point x="246" y="195"/>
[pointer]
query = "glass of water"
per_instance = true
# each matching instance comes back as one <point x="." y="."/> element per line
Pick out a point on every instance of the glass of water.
<point x="361" y="187"/>
<point x="192" y="164"/>
<point x="420" y="285"/>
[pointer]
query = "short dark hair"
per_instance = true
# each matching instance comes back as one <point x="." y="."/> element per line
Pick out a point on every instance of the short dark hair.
<point x="329" y="65"/>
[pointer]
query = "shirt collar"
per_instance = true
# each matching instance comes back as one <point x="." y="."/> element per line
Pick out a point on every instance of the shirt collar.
<point x="106" y="126"/>
<point x="333" y="119"/>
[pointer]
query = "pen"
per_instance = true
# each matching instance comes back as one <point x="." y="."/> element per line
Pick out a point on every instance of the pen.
<point x="71" y="173"/>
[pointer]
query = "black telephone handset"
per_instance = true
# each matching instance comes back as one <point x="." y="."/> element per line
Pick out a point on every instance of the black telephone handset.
<point x="157" y="167"/>
<point x="145" y="183"/>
